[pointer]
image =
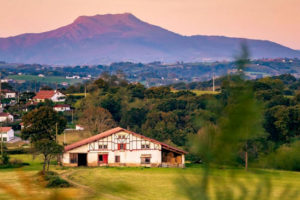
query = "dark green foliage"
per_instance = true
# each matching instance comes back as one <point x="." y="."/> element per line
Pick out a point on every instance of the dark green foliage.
<point x="54" y="181"/>
<point x="41" y="123"/>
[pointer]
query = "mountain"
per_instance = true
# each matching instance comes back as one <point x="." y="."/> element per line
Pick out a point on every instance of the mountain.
<point x="123" y="37"/>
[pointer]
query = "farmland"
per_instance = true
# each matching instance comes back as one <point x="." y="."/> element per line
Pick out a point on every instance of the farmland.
<point x="151" y="183"/>
<point x="47" y="79"/>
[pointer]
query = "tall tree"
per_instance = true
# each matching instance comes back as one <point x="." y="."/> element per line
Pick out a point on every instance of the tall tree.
<point x="96" y="119"/>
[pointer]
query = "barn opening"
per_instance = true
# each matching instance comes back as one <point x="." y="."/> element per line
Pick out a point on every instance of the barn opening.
<point x="82" y="159"/>
<point x="171" y="158"/>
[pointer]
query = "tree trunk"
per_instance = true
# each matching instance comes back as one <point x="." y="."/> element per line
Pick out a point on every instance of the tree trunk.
<point x="48" y="164"/>
<point x="44" y="164"/>
<point x="246" y="157"/>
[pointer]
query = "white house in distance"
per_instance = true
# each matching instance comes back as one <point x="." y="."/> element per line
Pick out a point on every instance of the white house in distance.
<point x="121" y="147"/>
<point x="62" y="107"/>
<point x="52" y="95"/>
<point x="8" y="94"/>
<point x="7" y="134"/>
<point x="6" y="117"/>
<point x="79" y="127"/>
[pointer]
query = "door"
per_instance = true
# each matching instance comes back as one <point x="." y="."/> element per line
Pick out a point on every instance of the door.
<point x="82" y="159"/>
<point x="105" y="158"/>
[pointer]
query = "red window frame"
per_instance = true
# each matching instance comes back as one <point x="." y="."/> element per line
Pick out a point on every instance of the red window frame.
<point x="121" y="146"/>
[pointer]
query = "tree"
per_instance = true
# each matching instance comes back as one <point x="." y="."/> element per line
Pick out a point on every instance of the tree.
<point x="49" y="149"/>
<point x="41" y="127"/>
<point x="42" y="123"/>
<point x="96" y="119"/>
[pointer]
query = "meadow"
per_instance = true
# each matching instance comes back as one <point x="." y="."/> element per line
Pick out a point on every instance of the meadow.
<point x="46" y="79"/>
<point x="151" y="183"/>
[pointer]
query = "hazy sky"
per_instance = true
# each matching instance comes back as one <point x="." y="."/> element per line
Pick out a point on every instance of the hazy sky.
<point x="276" y="20"/>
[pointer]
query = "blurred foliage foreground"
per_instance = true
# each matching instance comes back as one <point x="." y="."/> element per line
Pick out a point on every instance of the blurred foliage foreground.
<point x="222" y="144"/>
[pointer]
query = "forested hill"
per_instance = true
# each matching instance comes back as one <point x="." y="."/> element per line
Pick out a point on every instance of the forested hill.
<point x="103" y="39"/>
<point x="174" y="116"/>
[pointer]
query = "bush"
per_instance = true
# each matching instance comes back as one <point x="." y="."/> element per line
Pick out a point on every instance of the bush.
<point x="4" y="159"/>
<point x="54" y="181"/>
<point x="286" y="157"/>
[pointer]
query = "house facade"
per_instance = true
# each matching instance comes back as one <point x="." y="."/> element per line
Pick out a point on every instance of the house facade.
<point x="61" y="108"/>
<point x="121" y="147"/>
<point x="52" y="95"/>
<point x="6" y="134"/>
<point x="8" y="94"/>
<point x="6" y="117"/>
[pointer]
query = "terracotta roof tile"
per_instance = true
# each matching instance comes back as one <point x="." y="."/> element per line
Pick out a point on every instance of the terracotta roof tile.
<point x="4" y="129"/>
<point x="44" y="94"/>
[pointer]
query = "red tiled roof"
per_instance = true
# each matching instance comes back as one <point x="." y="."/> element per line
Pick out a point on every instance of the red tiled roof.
<point x="4" y="129"/>
<point x="3" y="114"/>
<point x="7" y="91"/>
<point x="116" y="130"/>
<point x="44" y="94"/>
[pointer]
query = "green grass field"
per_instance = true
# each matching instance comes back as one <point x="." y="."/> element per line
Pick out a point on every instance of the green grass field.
<point x="154" y="183"/>
<point x="47" y="79"/>
<point x="200" y="92"/>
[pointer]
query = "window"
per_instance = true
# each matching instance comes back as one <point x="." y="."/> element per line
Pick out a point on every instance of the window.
<point x="121" y="146"/>
<point x="117" y="159"/>
<point x="4" y="139"/>
<point x="102" y="146"/>
<point x="145" y="146"/>
<point x="73" y="158"/>
<point x="145" y="160"/>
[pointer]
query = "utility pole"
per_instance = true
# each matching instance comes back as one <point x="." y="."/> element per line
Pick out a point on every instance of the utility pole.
<point x="213" y="78"/>
<point x="56" y="132"/>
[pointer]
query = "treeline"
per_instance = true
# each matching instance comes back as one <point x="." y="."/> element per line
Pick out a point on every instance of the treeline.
<point x="172" y="117"/>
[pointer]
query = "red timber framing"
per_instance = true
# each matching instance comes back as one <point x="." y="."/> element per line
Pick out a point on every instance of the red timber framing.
<point x="127" y="142"/>
<point x="109" y="140"/>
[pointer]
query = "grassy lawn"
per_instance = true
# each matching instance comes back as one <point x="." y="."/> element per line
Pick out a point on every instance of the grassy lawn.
<point x="47" y="79"/>
<point x="73" y="136"/>
<point x="167" y="183"/>
<point x="200" y="92"/>
<point x="24" y="183"/>
<point x="151" y="183"/>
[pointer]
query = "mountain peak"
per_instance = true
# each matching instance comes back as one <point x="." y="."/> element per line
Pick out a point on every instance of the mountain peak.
<point x="106" y="17"/>
<point x="123" y="37"/>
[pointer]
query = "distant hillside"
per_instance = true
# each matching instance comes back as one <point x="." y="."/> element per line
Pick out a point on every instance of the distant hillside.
<point x="123" y="37"/>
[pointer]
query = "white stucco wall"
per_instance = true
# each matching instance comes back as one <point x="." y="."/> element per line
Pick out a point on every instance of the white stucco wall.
<point x="9" y="135"/>
<point x="131" y="155"/>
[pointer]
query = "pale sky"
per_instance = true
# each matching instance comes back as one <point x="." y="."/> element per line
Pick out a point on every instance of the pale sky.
<point x="275" y="20"/>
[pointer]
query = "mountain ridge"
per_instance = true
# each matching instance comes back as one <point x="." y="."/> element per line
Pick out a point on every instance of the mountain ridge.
<point x="123" y="37"/>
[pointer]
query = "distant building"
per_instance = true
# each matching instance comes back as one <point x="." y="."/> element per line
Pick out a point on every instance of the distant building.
<point x="41" y="75"/>
<point x="62" y="107"/>
<point x="8" y="94"/>
<point x="7" y="134"/>
<point x="73" y="77"/>
<point x="79" y="127"/>
<point x="6" y="117"/>
<point x="52" y="95"/>
<point x="121" y="147"/>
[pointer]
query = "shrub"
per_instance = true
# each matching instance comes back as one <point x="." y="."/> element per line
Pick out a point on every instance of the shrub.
<point x="286" y="157"/>
<point x="54" y="181"/>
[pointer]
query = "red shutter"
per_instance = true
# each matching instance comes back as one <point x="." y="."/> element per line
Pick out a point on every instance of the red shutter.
<point x="124" y="146"/>
<point x="118" y="146"/>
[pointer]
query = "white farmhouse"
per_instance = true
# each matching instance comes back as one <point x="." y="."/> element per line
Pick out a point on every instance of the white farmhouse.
<point x="52" y="95"/>
<point x="6" y="117"/>
<point x="121" y="147"/>
<point x="8" y="94"/>
<point x="6" y="134"/>
<point x="79" y="127"/>
<point x="62" y="107"/>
